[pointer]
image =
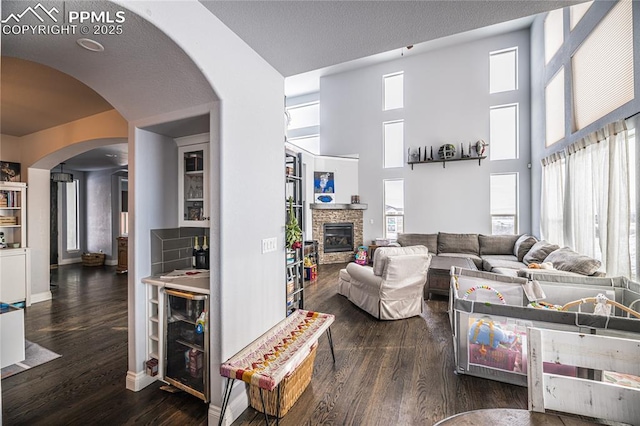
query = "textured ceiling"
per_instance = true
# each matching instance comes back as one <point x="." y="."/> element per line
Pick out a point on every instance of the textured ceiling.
<point x="141" y="72"/>
<point x="106" y="157"/>
<point x="300" y="36"/>
<point x="35" y="97"/>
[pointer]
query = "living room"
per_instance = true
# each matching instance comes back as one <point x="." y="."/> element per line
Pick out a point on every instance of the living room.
<point x="351" y="122"/>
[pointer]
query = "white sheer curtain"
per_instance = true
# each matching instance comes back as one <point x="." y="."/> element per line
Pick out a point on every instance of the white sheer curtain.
<point x="596" y="214"/>
<point x="551" y="215"/>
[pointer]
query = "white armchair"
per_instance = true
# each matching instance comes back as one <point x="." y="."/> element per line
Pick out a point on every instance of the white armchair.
<point x="393" y="288"/>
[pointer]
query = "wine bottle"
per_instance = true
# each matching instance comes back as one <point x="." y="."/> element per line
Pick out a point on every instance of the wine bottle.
<point x="205" y="248"/>
<point x="196" y="248"/>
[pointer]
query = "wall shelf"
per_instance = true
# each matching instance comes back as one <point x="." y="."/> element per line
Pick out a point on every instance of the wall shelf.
<point x="447" y="161"/>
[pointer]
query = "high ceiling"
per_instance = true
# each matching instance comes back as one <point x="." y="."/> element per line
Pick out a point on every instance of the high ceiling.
<point x="37" y="97"/>
<point x="304" y="35"/>
<point x="293" y="36"/>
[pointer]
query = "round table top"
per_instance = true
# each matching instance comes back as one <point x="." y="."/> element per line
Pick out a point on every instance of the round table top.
<point x="511" y="417"/>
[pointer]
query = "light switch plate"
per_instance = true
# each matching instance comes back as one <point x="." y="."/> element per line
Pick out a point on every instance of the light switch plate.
<point x="269" y="244"/>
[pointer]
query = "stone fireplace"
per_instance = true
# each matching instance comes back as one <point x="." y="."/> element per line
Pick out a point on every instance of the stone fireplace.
<point x="338" y="228"/>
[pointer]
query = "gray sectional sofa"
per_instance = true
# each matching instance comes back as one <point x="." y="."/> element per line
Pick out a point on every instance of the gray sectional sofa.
<point x="506" y="254"/>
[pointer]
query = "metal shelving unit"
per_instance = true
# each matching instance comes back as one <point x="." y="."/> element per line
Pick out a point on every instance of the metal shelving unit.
<point x="294" y="257"/>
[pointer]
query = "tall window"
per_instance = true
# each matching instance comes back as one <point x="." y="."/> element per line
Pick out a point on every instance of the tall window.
<point x="73" y="215"/>
<point x="393" y="207"/>
<point x="503" y="70"/>
<point x="576" y="13"/>
<point x="553" y="33"/>
<point x="554" y="108"/>
<point x="503" y="132"/>
<point x="305" y="115"/>
<point x="603" y="67"/>
<point x="393" y="91"/>
<point x="504" y="203"/>
<point x="393" y="143"/>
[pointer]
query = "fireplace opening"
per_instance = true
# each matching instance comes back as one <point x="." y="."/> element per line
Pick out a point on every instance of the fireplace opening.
<point x="338" y="237"/>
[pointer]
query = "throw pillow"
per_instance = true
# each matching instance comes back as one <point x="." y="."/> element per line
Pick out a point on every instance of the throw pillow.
<point x="565" y="259"/>
<point x="539" y="252"/>
<point x="523" y="245"/>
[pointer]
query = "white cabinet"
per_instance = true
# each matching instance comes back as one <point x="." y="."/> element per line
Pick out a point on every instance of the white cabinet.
<point x="14" y="258"/>
<point x="11" y="335"/>
<point x="193" y="181"/>
<point x="13" y="213"/>
<point x="14" y="276"/>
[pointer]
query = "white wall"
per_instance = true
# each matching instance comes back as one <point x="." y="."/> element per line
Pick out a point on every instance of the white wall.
<point x="154" y="158"/>
<point x="102" y="200"/>
<point x="38" y="240"/>
<point x="249" y="297"/>
<point x="345" y="175"/>
<point x="446" y="100"/>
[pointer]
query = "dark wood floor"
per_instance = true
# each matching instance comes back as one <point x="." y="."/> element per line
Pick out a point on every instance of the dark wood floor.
<point x="386" y="372"/>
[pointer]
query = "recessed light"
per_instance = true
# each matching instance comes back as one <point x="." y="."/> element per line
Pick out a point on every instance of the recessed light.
<point x="91" y="45"/>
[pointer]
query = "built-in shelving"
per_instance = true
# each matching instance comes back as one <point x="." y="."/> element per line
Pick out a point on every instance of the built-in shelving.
<point x="294" y="257"/>
<point x="444" y="162"/>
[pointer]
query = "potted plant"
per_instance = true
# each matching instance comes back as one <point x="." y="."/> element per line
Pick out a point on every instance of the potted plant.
<point x="293" y="233"/>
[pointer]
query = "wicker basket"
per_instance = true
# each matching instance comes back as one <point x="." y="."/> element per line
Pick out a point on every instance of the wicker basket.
<point x="93" y="259"/>
<point x="291" y="388"/>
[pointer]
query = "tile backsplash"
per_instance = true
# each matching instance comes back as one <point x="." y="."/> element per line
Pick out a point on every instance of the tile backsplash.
<point x="172" y="248"/>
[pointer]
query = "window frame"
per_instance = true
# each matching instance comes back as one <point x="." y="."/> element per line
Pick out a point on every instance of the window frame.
<point x="384" y="145"/>
<point x="384" y="90"/>
<point x="517" y="131"/>
<point x="394" y="215"/>
<point x="76" y="225"/>
<point x="516" y="70"/>
<point x="516" y="215"/>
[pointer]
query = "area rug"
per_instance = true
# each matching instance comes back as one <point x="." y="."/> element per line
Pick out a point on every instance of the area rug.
<point x="35" y="355"/>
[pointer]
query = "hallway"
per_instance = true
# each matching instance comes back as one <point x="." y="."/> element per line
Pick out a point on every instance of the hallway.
<point x="86" y="322"/>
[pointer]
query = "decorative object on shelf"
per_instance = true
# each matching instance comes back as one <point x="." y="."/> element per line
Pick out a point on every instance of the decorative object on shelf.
<point x="9" y="172"/>
<point x="293" y="231"/>
<point x="3" y="243"/>
<point x="481" y="146"/>
<point x="430" y="153"/>
<point x="325" y="199"/>
<point x="462" y="154"/>
<point x="447" y="151"/>
<point x="355" y="199"/>
<point x="414" y="156"/>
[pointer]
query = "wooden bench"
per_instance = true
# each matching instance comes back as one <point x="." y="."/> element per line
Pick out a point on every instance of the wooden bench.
<point x="276" y="354"/>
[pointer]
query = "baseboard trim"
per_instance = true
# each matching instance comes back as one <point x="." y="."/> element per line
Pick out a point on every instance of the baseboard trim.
<point x="236" y="406"/>
<point x="41" y="297"/>
<point x="138" y="381"/>
<point x="70" y="261"/>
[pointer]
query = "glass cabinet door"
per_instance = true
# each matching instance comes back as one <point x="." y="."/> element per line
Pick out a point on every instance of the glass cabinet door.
<point x="186" y="354"/>
<point x="193" y="188"/>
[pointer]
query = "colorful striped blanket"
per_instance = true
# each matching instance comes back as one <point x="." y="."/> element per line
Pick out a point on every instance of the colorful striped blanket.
<point x="277" y="353"/>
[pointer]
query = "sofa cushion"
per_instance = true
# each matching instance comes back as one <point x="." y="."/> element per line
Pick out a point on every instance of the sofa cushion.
<point x="382" y="253"/>
<point x="539" y="252"/>
<point x="458" y="243"/>
<point x="565" y="259"/>
<point x="505" y="271"/>
<point x="477" y="260"/>
<point x="522" y="246"/>
<point x="496" y="244"/>
<point x="489" y="264"/>
<point x="430" y="241"/>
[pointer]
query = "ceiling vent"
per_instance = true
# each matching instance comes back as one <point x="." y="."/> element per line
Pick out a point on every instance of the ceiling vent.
<point x="61" y="176"/>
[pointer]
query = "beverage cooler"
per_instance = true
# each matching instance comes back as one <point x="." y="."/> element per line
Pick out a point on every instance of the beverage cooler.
<point x="187" y="342"/>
